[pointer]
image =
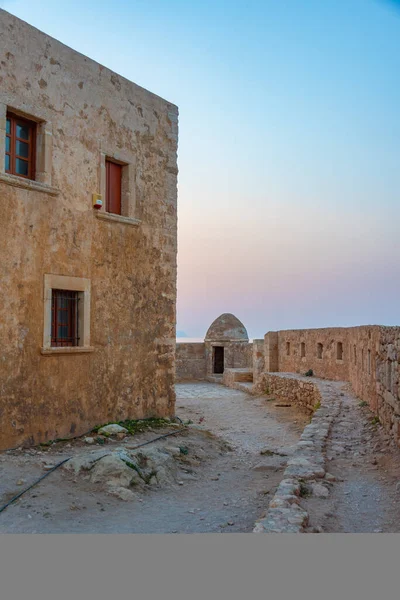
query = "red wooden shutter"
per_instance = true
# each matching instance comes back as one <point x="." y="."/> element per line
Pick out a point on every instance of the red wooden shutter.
<point x="113" y="187"/>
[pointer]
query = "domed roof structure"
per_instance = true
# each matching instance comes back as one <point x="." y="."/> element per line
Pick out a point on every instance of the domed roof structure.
<point x="227" y="328"/>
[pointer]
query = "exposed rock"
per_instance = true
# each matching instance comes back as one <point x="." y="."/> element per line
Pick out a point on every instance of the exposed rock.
<point x="173" y="450"/>
<point x="113" y="471"/>
<point x="80" y="464"/>
<point x="121" y="493"/>
<point x="112" y="429"/>
<point x="88" y="440"/>
<point x="319" y="490"/>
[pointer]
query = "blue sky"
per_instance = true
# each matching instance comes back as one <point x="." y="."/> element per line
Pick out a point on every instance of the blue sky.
<point x="289" y="151"/>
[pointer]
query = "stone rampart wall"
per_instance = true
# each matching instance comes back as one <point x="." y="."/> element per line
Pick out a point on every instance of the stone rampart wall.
<point x="366" y="356"/>
<point x="288" y="388"/>
<point x="190" y="361"/>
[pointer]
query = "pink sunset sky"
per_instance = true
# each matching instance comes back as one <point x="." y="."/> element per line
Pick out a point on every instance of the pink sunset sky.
<point x="289" y="154"/>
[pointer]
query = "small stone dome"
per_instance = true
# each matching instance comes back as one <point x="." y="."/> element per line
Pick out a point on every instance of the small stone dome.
<point x="227" y="328"/>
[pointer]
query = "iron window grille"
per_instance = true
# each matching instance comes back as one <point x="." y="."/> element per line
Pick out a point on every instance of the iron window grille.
<point x="64" y="318"/>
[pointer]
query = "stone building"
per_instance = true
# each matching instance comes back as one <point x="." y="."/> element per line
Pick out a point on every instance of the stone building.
<point x="226" y="346"/>
<point x="87" y="292"/>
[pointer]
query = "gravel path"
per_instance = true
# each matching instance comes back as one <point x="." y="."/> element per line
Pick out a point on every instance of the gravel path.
<point x="366" y="465"/>
<point x="248" y="423"/>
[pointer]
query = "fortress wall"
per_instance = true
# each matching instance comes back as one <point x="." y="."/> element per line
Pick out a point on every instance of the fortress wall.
<point x="190" y="361"/>
<point x="366" y="356"/>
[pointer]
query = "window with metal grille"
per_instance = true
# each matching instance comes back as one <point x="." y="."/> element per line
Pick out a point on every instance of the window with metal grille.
<point x="113" y="187"/>
<point x="20" y="146"/>
<point x="64" y="318"/>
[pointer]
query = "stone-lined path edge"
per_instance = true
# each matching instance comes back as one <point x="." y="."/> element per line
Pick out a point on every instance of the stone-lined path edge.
<point x="308" y="462"/>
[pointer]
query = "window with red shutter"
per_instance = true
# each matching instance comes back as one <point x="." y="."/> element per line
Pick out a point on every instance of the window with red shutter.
<point x="113" y="187"/>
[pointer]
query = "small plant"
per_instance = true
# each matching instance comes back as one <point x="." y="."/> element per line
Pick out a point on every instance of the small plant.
<point x="268" y="452"/>
<point x="375" y="420"/>
<point x="138" y="426"/>
<point x="309" y="373"/>
<point x="363" y="403"/>
<point x="304" y="490"/>
<point x="267" y="391"/>
<point x="183" y="450"/>
<point x="317" y="406"/>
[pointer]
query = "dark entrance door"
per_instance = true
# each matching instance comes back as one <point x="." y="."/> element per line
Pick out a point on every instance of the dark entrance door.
<point x="218" y="359"/>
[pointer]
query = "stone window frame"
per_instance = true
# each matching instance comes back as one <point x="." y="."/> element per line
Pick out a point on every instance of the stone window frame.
<point x="43" y="150"/>
<point x="128" y="188"/>
<point x="73" y="284"/>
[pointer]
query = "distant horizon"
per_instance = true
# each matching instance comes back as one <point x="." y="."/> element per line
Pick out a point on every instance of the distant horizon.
<point x="192" y="339"/>
<point x="289" y="153"/>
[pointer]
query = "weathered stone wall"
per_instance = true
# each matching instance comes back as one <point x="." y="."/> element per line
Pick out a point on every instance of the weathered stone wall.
<point x="289" y="388"/>
<point x="386" y="398"/>
<point x="237" y="355"/>
<point x="362" y="354"/>
<point x="84" y="112"/>
<point x="194" y="360"/>
<point x="299" y="351"/>
<point x="190" y="361"/>
<point x="232" y="377"/>
<point x="258" y="361"/>
<point x="367" y="356"/>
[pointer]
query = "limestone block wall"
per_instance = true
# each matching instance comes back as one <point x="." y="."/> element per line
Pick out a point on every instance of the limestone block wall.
<point x="258" y="361"/>
<point x="237" y="355"/>
<point x="231" y="377"/>
<point x="194" y="360"/>
<point x="367" y="356"/>
<point x="386" y="400"/>
<point x="84" y="113"/>
<point x="295" y="390"/>
<point x="190" y="361"/>
<point x="363" y="356"/>
<point x="325" y="351"/>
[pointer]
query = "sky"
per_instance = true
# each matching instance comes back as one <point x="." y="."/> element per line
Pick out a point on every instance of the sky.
<point x="289" y="148"/>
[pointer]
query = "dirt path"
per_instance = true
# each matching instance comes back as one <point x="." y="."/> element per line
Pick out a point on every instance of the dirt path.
<point x="224" y="491"/>
<point x="366" y="465"/>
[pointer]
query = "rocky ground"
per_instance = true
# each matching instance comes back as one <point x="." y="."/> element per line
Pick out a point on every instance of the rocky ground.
<point x="363" y="491"/>
<point x="218" y="474"/>
<point x="214" y="476"/>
